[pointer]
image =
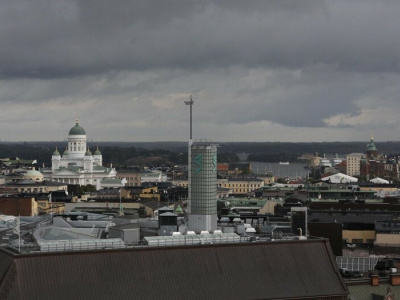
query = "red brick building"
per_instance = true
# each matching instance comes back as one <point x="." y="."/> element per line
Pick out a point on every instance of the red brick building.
<point x="22" y="206"/>
<point x="375" y="165"/>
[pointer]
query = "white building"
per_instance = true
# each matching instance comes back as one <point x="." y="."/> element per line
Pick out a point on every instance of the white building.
<point x="379" y="180"/>
<point x="339" y="178"/>
<point x="152" y="176"/>
<point x="77" y="165"/>
<point x="353" y="164"/>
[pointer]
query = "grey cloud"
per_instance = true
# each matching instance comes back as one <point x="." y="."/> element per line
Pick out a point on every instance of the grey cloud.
<point x="292" y="65"/>
<point x="48" y="39"/>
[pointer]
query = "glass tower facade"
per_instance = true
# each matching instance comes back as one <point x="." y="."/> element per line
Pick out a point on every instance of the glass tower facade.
<point x="203" y="187"/>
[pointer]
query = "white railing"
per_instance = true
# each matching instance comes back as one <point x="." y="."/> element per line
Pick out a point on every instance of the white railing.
<point x="356" y="263"/>
<point x="81" y="245"/>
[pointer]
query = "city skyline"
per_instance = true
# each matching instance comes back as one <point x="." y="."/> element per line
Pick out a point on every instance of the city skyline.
<point x="279" y="71"/>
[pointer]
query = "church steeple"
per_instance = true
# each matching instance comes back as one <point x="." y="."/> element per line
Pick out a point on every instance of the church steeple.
<point x="371" y="148"/>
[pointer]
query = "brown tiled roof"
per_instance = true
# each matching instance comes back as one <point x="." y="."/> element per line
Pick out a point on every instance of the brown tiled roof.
<point x="275" y="270"/>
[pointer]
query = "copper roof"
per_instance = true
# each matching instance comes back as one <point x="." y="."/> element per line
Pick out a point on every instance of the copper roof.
<point x="274" y="270"/>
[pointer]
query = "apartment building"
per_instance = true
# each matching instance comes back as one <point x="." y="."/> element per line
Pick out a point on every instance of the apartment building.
<point x="242" y="185"/>
<point x="353" y="161"/>
<point x="132" y="176"/>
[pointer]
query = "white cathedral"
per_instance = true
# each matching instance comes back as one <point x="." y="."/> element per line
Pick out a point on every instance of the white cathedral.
<point x="77" y="165"/>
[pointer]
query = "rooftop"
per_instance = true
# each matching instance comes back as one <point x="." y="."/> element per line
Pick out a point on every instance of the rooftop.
<point x="225" y="271"/>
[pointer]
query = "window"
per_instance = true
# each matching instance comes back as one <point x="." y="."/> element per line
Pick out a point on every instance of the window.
<point x="357" y="241"/>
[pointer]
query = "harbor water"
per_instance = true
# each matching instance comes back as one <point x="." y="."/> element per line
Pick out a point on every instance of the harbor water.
<point x="291" y="170"/>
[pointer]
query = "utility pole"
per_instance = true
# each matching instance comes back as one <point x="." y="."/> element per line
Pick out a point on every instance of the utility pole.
<point x="120" y="202"/>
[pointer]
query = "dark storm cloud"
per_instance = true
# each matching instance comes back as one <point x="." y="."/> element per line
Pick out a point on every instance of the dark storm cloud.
<point x="288" y="65"/>
<point x="48" y="39"/>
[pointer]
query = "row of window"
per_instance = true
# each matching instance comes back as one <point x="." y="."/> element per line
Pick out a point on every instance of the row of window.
<point x="69" y="180"/>
<point x="361" y="241"/>
<point x="77" y="146"/>
<point x="129" y="178"/>
<point x="35" y="190"/>
<point x="240" y="190"/>
<point x="240" y="185"/>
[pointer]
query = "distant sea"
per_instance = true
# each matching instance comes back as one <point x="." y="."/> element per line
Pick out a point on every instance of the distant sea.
<point x="291" y="170"/>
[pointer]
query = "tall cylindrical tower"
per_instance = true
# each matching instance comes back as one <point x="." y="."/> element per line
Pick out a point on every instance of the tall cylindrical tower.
<point x="203" y="187"/>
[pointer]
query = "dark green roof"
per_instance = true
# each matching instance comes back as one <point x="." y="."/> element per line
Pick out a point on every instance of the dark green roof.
<point x="77" y="130"/>
<point x="56" y="152"/>
<point x="97" y="152"/>
<point x="178" y="210"/>
<point x="371" y="146"/>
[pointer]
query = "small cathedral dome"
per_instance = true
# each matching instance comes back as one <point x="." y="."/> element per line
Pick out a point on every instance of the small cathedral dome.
<point x="56" y="152"/>
<point x="77" y="130"/>
<point x="88" y="153"/>
<point x="65" y="152"/>
<point x="33" y="175"/>
<point x="97" y="152"/>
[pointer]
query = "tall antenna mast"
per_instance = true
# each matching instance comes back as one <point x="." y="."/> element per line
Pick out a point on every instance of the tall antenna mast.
<point x="190" y="103"/>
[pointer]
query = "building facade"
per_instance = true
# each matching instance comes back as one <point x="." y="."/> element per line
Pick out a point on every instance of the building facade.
<point x="18" y="206"/>
<point x="132" y="176"/>
<point x="241" y="185"/>
<point x="353" y="164"/>
<point x="77" y="164"/>
<point x="378" y="165"/>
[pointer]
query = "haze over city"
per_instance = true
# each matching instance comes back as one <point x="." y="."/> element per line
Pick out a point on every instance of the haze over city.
<point x="289" y="71"/>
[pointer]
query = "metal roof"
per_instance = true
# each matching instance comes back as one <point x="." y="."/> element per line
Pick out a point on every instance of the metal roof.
<point x="366" y="291"/>
<point x="274" y="270"/>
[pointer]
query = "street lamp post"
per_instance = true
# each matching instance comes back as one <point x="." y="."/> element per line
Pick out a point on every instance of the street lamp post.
<point x="120" y="203"/>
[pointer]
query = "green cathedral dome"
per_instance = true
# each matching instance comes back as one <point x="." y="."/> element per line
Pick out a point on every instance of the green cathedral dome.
<point x="56" y="152"/>
<point x="371" y="146"/>
<point x="77" y="130"/>
<point x="97" y="152"/>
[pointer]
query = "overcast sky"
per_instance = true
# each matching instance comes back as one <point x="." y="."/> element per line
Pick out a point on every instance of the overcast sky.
<point x="289" y="71"/>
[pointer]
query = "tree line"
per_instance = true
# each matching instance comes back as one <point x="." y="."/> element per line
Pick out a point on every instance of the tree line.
<point x="172" y="153"/>
<point x="116" y="155"/>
